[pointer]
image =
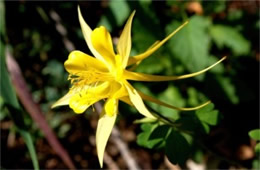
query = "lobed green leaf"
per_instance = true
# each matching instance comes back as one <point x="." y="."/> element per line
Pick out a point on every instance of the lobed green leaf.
<point x="255" y="134"/>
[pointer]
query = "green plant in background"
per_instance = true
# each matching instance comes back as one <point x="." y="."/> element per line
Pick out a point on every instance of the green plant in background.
<point x="218" y="28"/>
<point x="106" y="77"/>
<point x="255" y="134"/>
<point x="8" y="97"/>
<point x="189" y="50"/>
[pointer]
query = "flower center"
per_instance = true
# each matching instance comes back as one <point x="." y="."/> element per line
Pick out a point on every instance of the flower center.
<point x="88" y="77"/>
<point x="118" y="70"/>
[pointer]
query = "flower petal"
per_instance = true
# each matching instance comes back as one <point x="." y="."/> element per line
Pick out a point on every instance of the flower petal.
<point x="79" y="61"/>
<point x="137" y="101"/>
<point x="111" y="106"/>
<point x="86" y="30"/>
<point x="124" y="43"/>
<point x="104" y="129"/>
<point x="127" y="100"/>
<point x="154" y="100"/>
<point x="154" y="47"/>
<point x="62" y="101"/>
<point x="102" y="42"/>
<point x="146" y="77"/>
<point x="83" y="97"/>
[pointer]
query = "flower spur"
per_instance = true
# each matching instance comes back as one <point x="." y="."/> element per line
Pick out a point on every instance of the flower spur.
<point x="105" y="77"/>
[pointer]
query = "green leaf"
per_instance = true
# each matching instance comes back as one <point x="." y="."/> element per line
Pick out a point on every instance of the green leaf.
<point x="191" y="44"/>
<point x="157" y="62"/>
<point x="218" y="69"/>
<point x="104" y="21"/>
<point x="143" y="137"/>
<point x="212" y="7"/>
<point x="9" y="97"/>
<point x="235" y="14"/>
<point x="177" y="148"/>
<point x="195" y="97"/>
<point x="256" y="164"/>
<point x="120" y="10"/>
<point x="257" y="148"/>
<point x="29" y="143"/>
<point x="255" y="134"/>
<point x="6" y="90"/>
<point x="159" y="134"/>
<point x="188" y="122"/>
<point x="10" y="100"/>
<point x="226" y="36"/>
<point x="173" y="97"/>
<point x="153" y="135"/>
<point x="2" y="18"/>
<point x="208" y="115"/>
<point x="198" y="156"/>
<point x="228" y="88"/>
<point x="206" y="127"/>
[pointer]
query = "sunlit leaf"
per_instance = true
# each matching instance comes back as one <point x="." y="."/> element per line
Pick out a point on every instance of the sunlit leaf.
<point x="173" y="97"/>
<point x="255" y="134"/>
<point x="218" y="68"/>
<point x="191" y="44"/>
<point x="257" y="148"/>
<point x="143" y="137"/>
<point x="153" y="135"/>
<point x="256" y="164"/>
<point x="208" y="115"/>
<point x="120" y="10"/>
<point x="226" y="36"/>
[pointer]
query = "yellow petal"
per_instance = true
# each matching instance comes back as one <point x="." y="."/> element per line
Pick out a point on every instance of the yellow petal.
<point x="79" y="104"/>
<point x="85" y="96"/>
<point x="62" y="101"/>
<point x="127" y="100"/>
<point x="102" y="42"/>
<point x="137" y="101"/>
<point x="119" y="91"/>
<point x="111" y="106"/>
<point x="152" y="49"/>
<point x="86" y="30"/>
<point x="145" y="77"/>
<point x="151" y="99"/>
<point x="124" y="43"/>
<point x="79" y="61"/>
<point x="104" y="129"/>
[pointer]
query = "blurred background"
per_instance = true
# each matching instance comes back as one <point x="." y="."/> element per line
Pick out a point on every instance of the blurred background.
<point x="40" y="35"/>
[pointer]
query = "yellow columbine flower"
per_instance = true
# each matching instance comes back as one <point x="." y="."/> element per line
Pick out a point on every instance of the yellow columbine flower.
<point x="106" y="77"/>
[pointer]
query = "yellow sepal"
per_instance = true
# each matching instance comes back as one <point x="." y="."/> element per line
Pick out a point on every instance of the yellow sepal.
<point x="86" y="30"/>
<point x="154" y="100"/>
<point x="104" y="129"/>
<point x="124" y="43"/>
<point x="137" y="101"/>
<point x="146" y="77"/>
<point x="62" y="101"/>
